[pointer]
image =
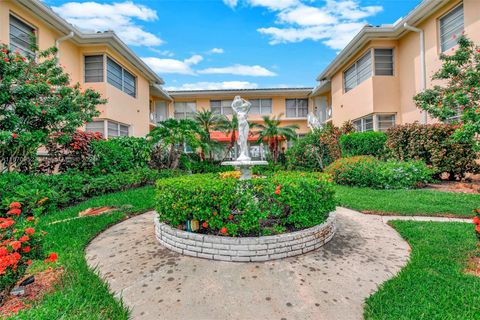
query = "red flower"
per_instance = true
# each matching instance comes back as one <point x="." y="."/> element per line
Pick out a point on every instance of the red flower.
<point x="6" y="222"/>
<point x="476" y="220"/>
<point x="5" y="59"/>
<point x="14" y="211"/>
<point x="14" y="135"/>
<point x="24" y="238"/>
<point x="52" y="257"/>
<point x="3" y="251"/>
<point x="205" y="224"/>
<point x="15" y="205"/>
<point x="30" y="218"/>
<point x="44" y="112"/>
<point x="223" y="230"/>
<point x="16" y="245"/>
<point x="215" y="213"/>
<point x="29" y="231"/>
<point x="29" y="262"/>
<point x="277" y="191"/>
<point x="26" y="249"/>
<point x="230" y="217"/>
<point x="477" y="229"/>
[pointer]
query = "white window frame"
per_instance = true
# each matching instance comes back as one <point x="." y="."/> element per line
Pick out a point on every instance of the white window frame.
<point x="85" y="67"/>
<point x="363" y="123"/>
<point x="357" y="72"/>
<point x="225" y="107"/>
<point x="184" y="114"/>
<point x="106" y="128"/>
<point x="297" y="108"/>
<point x="25" y="51"/>
<point x="442" y="44"/>
<point x="261" y="106"/>
<point x="122" y="78"/>
<point x="378" y="121"/>
<point x="374" y="64"/>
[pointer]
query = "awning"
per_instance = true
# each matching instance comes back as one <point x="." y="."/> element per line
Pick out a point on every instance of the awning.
<point x="223" y="137"/>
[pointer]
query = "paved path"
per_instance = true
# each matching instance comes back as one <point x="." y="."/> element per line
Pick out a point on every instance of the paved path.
<point x="330" y="283"/>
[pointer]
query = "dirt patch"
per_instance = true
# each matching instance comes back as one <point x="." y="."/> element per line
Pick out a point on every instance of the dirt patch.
<point x="473" y="265"/>
<point x="440" y="215"/>
<point x="95" y="211"/>
<point x="459" y="187"/>
<point x="45" y="282"/>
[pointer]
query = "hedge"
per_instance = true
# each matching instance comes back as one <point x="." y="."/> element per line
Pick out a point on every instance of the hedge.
<point x="363" y="144"/>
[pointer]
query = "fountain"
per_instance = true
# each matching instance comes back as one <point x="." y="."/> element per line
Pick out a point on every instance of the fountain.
<point x="244" y="163"/>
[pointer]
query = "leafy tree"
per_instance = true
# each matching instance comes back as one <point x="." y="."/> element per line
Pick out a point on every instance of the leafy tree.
<point x="208" y="121"/>
<point x="273" y="132"/>
<point x="460" y="92"/>
<point x="36" y="102"/>
<point x="175" y="134"/>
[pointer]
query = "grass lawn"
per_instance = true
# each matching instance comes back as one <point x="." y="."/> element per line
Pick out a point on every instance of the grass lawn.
<point x="84" y="295"/>
<point x="408" y="202"/>
<point x="432" y="285"/>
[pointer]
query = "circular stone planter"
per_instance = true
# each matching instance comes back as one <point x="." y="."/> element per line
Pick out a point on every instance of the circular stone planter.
<point x="246" y="249"/>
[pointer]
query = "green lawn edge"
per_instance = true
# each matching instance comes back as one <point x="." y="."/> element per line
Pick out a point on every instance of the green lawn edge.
<point x="433" y="285"/>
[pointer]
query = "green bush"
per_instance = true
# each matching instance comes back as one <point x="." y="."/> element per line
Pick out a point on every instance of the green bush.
<point x="40" y="193"/>
<point x="315" y="151"/>
<point x="120" y="154"/>
<point x="363" y="144"/>
<point x="368" y="171"/>
<point x="267" y="170"/>
<point x="254" y="207"/>
<point x="434" y="145"/>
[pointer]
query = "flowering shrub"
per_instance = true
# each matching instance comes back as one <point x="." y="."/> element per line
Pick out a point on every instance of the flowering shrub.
<point x="433" y="144"/>
<point x="230" y="174"/>
<point x="368" y="171"/>
<point x="228" y="206"/>
<point x="476" y="222"/>
<point x="20" y="243"/>
<point x="363" y="143"/>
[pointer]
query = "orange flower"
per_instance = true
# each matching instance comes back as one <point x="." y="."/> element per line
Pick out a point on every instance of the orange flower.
<point x="223" y="230"/>
<point x="15" y="205"/>
<point x="476" y="220"/>
<point x="16" y="245"/>
<point x="26" y="249"/>
<point x="14" y="211"/>
<point x="215" y="213"/>
<point x="24" y="238"/>
<point x="477" y="229"/>
<point x="29" y="231"/>
<point x="230" y="217"/>
<point x="52" y="257"/>
<point x="277" y="191"/>
<point x="30" y="218"/>
<point x="29" y="262"/>
<point x="205" y="224"/>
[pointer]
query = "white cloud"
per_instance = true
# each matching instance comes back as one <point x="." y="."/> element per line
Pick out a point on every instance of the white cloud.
<point x="240" y="70"/>
<point x="225" y="85"/>
<point x="121" y="17"/>
<point x="334" y="23"/>
<point x="173" y="66"/>
<point x="165" y="53"/>
<point x="216" y="51"/>
<point x="231" y="3"/>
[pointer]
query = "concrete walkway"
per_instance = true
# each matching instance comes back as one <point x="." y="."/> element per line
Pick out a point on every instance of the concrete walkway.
<point x="330" y="283"/>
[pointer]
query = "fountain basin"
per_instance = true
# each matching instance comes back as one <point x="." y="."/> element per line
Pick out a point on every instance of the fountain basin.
<point x="244" y="166"/>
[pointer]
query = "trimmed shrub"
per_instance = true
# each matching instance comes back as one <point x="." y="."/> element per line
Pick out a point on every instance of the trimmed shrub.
<point x="368" y="171"/>
<point x="434" y="145"/>
<point x="228" y="206"/>
<point x="315" y="151"/>
<point x="363" y="144"/>
<point x="41" y="193"/>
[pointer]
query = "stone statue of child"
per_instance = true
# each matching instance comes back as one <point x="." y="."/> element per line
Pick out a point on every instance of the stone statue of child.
<point x="241" y="108"/>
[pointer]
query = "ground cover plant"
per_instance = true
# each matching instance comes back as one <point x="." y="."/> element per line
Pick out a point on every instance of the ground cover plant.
<point x="224" y="205"/>
<point x="434" y="284"/>
<point x="368" y="171"/>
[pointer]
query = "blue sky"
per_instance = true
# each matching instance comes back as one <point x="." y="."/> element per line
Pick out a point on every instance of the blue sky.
<point x="217" y="44"/>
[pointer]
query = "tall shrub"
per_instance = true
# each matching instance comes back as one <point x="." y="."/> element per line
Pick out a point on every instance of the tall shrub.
<point x="434" y="145"/>
<point x="363" y="143"/>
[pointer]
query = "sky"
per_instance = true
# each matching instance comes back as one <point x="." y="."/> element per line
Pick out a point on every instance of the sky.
<point x="233" y="44"/>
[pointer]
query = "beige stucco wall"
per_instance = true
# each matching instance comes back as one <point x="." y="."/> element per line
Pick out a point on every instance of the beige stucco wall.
<point x="120" y="107"/>
<point x="278" y="106"/>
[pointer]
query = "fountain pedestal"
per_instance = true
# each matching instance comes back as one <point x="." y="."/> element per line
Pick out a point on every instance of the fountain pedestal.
<point x="244" y="166"/>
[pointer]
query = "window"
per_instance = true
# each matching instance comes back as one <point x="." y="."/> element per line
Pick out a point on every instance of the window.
<point x="358" y="72"/>
<point x="114" y="129"/>
<point x="21" y="36"/>
<point x="221" y="106"/>
<point x="364" y="124"/>
<point x="385" y="121"/>
<point x="185" y="110"/>
<point x="261" y="106"/>
<point x="94" y="68"/>
<point x="120" y="78"/>
<point x="383" y="62"/>
<point x="451" y="27"/>
<point x="297" y="108"/>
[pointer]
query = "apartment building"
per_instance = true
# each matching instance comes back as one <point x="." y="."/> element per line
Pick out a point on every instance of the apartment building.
<point x="100" y="61"/>
<point x="373" y="80"/>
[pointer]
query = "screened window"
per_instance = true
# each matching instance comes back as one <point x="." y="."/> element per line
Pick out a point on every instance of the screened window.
<point x="385" y="121"/>
<point x="185" y="110"/>
<point x="451" y="27"/>
<point x="21" y="36"/>
<point x="120" y="78"/>
<point x="94" y="68"/>
<point x="114" y="129"/>
<point x="221" y="106"/>
<point x="297" y="108"/>
<point x="383" y="62"/>
<point x="261" y="106"/>
<point x="360" y="71"/>
<point x="364" y="124"/>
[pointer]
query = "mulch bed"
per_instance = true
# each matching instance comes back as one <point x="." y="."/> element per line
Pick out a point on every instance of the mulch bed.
<point x="452" y="186"/>
<point x="473" y="264"/>
<point x="45" y="281"/>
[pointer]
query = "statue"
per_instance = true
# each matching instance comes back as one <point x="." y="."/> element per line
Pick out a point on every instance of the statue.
<point x="241" y="108"/>
<point x="313" y="122"/>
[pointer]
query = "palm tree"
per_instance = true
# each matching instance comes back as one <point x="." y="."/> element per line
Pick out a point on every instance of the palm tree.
<point x="229" y="127"/>
<point x="207" y="121"/>
<point x="175" y="134"/>
<point x="271" y="130"/>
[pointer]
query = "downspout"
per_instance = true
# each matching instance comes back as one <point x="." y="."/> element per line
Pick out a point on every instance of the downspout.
<point x="423" y="82"/>
<point x="60" y="40"/>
